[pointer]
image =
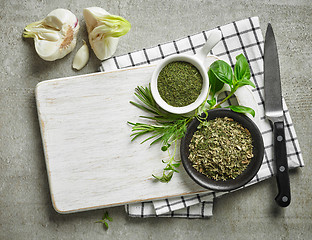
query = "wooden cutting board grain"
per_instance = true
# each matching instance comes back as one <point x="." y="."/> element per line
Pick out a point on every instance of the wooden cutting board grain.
<point x="90" y="159"/>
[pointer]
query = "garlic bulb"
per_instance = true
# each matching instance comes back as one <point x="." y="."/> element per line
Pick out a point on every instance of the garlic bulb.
<point x="104" y="31"/>
<point x="81" y="58"/>
<point x="55" y="35"/>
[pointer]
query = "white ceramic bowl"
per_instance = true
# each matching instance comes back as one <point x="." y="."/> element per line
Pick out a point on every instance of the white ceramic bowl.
<point x="201" y="98"/>
<point x="196" y="60"/>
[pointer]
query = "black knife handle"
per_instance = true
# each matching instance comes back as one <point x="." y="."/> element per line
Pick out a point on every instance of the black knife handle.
<point x="280" y="156"/>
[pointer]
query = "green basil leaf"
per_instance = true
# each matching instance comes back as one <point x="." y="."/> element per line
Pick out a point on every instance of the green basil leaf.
<point x="245" y="82"/>
<point x="241" y="69"/>
<point x="242" y="109"/>
<point x="222" y="71"/>
<point x="214" y="82"/>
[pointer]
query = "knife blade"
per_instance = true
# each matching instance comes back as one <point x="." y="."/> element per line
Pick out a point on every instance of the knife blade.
<point x="274" y="113"/>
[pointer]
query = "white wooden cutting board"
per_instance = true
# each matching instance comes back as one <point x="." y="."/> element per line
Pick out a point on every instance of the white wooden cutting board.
<point x="90" y="159"/>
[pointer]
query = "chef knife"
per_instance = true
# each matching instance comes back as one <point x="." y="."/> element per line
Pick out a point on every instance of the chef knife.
<point x="274" y="112"/>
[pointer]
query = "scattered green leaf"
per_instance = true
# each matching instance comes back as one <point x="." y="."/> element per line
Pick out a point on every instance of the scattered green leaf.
<point x="104" y="220"/>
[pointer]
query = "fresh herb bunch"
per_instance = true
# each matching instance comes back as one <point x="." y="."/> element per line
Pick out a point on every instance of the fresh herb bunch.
<point x="169" y="128"/>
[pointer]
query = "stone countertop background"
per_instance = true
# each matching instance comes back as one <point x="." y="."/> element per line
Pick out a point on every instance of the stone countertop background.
<point x="26" y="211"/>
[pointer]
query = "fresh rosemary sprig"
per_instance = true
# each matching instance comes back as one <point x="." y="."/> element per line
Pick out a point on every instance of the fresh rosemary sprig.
<point x="169" y="128"/>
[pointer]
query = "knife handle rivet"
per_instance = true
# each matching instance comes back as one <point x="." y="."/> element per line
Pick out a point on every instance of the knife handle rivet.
<point x="279" y="138"/>
<point x="282" y="168"/>
<point x="284" y="199"/>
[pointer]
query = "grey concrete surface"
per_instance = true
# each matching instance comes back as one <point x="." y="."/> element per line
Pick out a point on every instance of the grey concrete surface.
<point x="25" y="206"/>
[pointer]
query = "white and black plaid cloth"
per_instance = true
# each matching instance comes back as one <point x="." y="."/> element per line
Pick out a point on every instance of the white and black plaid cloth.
<point x="242" y="36"/>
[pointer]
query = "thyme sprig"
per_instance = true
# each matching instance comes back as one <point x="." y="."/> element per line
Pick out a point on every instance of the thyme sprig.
<point x="171" y="167"/>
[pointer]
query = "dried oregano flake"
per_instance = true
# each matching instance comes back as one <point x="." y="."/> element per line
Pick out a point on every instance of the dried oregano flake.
<point x="221" y="149"/>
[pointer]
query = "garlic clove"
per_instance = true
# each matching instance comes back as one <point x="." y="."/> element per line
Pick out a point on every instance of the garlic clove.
<point x="81" y="58"/>
<point x="47" y="49"/>
<point x="54" y="36"/>
<point x="104" y="31"/>
<point x="59" y="17"/>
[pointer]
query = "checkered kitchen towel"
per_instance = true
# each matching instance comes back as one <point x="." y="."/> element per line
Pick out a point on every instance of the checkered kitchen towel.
<point x="238" y="37"/>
